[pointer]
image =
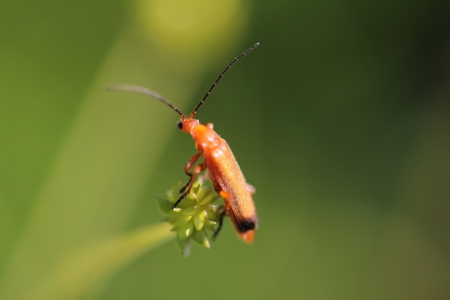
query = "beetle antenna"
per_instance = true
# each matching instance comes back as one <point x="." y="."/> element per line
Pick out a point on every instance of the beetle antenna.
<point x="220" y="77"/>
<point x="145" y="91"/>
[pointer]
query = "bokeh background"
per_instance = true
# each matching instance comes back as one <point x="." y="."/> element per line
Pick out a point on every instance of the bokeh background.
<point x="340" y="119"/>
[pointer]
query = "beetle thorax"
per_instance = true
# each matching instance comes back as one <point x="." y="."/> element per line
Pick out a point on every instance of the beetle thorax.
<point x="204" y="137"/>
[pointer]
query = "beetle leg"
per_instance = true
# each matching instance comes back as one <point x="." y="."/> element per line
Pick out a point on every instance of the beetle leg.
<point x="204" y="176"/>
<point x="222" y="215"/>
<point x="190" y="163"/>
<point x="196" y="171"/>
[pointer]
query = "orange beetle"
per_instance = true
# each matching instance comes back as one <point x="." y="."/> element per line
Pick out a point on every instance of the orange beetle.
<point x="224" y="171"/>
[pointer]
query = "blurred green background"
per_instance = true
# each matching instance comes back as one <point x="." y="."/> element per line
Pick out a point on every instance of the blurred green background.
<point x="340" y="119"/>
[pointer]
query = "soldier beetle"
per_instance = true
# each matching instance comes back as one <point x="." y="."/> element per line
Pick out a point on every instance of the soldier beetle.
<point x="223" y="169"/>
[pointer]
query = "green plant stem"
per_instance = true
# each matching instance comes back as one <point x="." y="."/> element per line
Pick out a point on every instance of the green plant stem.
<point x="84" y="270"/>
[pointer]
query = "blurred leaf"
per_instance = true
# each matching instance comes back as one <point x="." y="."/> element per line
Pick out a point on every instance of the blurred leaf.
<point x="164" y="206"/>
<point x="84" y="270"/>
<point x="200" y="237"/>
<point x="184" y="245"/>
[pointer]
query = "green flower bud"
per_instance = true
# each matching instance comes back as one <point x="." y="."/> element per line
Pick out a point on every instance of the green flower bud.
<point x="196" y="216"/>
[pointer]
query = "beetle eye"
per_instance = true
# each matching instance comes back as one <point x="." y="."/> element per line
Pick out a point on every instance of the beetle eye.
<point x="180" y="125"/>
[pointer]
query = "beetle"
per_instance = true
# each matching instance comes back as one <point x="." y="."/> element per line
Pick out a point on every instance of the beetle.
<point x="223" y="170"/>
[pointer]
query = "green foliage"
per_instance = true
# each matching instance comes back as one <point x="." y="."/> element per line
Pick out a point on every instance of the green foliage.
<point x="196" y="216"/>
